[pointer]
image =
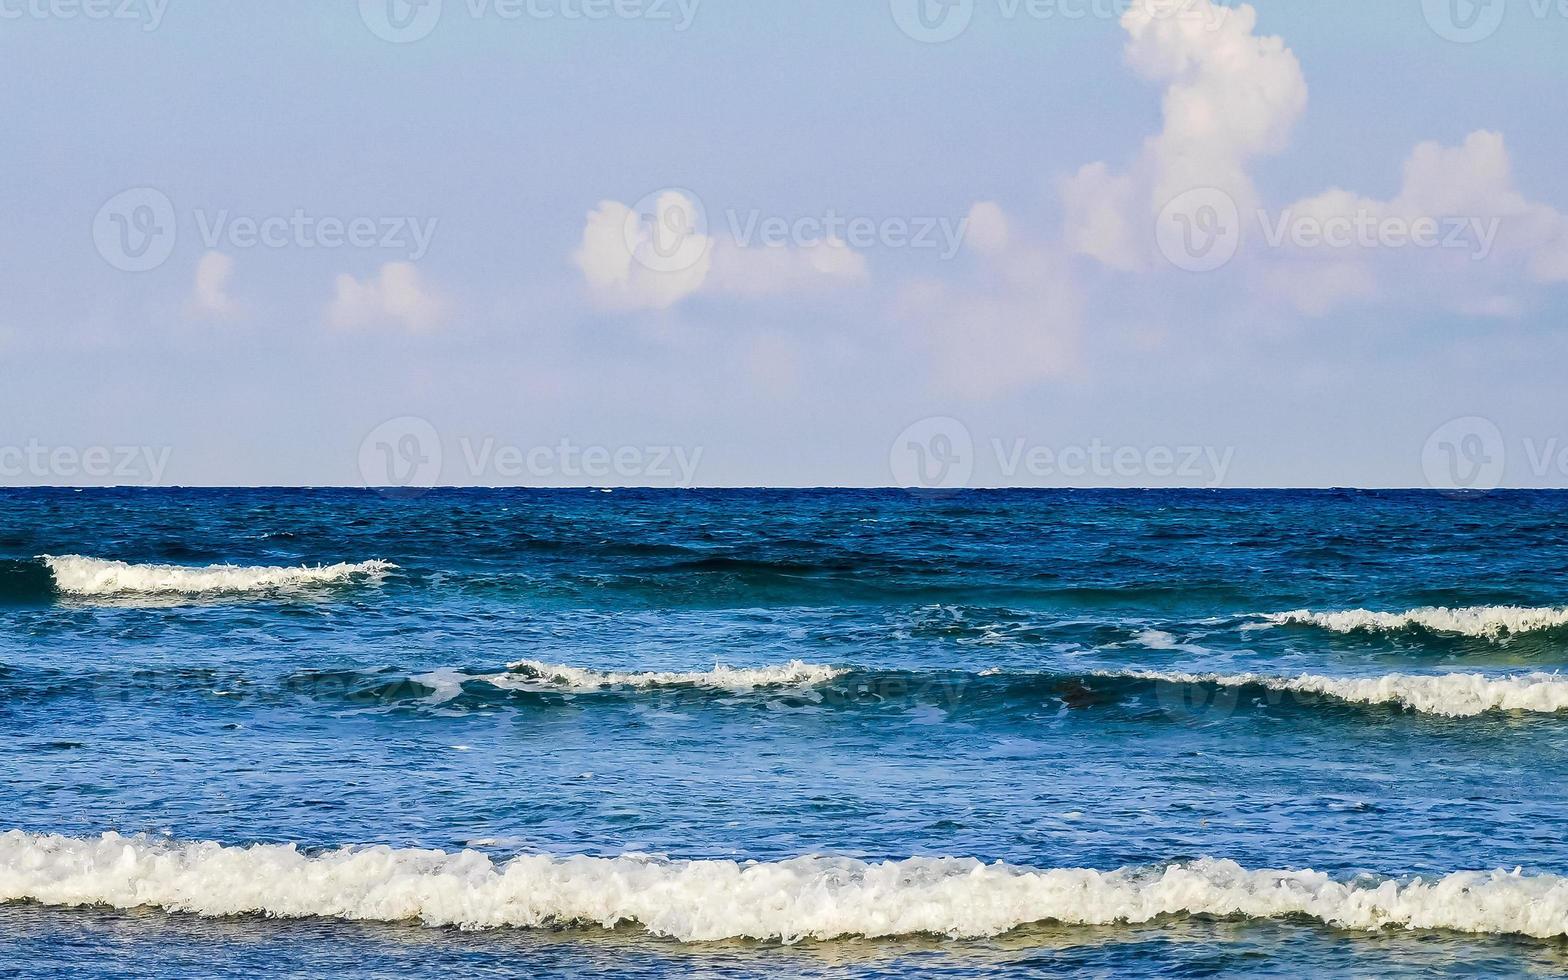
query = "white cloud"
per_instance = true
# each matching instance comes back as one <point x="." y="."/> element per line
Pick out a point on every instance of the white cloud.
<point x="1490" y="231"/>
<point x="1230" y="97"/>
<point x="397" y="293"/>
<point x="1016" y="325"/>
<point x="987" y="228"/>
<point x="1100" y="217"/>
<point x="657" y="254"/>
<point x="210" y="294"/>
<point x="645" y="261"/>
<point x="760" y="270"/>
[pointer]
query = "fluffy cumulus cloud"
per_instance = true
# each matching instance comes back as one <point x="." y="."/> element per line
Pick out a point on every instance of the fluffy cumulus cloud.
<point x="210" y="294"/>
<point x="987" y="229"/>
<point x="1230" y="97"/>
<point x="1458" y="231"/>
<point x="1010" y="313"/>
<point x="651" y="260"/>
<point x="396" y="294"/>
<point x="1457" y="202"/>
<point x="655" y="254"/>
<point x="758" y="270"/>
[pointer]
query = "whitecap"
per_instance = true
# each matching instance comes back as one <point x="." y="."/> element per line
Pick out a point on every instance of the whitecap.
<point x="83" y="576"/>
<point x="1482" y="621"/>
<point x="1453" y="695"/>
<point x="533" y="674"/>
<point x="701" y="901"/>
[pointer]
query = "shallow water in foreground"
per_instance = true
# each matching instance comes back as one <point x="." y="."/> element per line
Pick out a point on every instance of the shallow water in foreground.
<point x="1051" y="680"/>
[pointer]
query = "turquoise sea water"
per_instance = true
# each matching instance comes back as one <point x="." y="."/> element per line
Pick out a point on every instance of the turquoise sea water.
<point x="498" y="730"/>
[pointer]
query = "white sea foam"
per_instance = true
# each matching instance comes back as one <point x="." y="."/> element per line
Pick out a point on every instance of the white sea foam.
<point x="534" y="674"/>
<point x="1454" y="695"/>
<point x="698" y="901"/>
<point x="1161" y="640"/>
<point x="78" y="575"/>
<point x="1486" y="621"/>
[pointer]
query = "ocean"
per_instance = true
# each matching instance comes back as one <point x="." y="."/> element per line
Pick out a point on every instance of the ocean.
<point x="801" y="733"/>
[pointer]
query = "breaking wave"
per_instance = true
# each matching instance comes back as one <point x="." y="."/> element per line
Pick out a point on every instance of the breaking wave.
<point x="700" y="901"/>
<point x="532" y="673"/>
<point x="1453" y="695"/>
<point x="1482" y="621"/>
<point x="973" y="698"/>
<point x="81" y="576"/>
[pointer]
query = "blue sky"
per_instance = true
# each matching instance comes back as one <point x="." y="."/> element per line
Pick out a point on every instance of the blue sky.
<point x="973" y="242"/>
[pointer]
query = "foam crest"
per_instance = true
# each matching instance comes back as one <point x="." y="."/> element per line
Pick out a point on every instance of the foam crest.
<point x="698" y="901"/>
<point x="534" y="674"/>
<point x="82" y="576"/>
<point x="1453" y="695"/>
<point x="1483" y="621"/>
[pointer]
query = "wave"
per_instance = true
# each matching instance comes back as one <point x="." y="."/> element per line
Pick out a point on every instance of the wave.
<point x="703" y="901"/>
<point x="1453" y="695"/>
<point x="1481" y="621"/>
<point x="1019" y="696"/>
<point x="534" y="674"/>
<point x="24" y="582"/>
<point x="81" y="576"/>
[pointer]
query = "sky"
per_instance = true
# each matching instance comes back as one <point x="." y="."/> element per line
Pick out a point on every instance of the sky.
<point x="934" y="243"/>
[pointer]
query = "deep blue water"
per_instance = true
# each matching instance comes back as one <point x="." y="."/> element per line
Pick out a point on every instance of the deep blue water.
<point x="981" y="711"/>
